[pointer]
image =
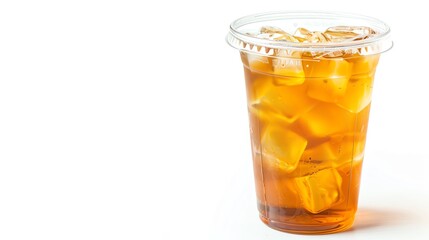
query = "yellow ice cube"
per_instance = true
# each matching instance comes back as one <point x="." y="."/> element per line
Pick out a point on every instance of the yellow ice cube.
<point x="266" y="113"/>
<point x="282" y="148"/>
<point x="319" y="191"/>
<point x="320" y="153"/>
<point x="256" y="63"/>
<point x="288" y="71"/>
<point x="358" y="93"/>
<point x="363" y="64"/>
<point x="327" y="78"/>
<point x="348" y="147"/>
<point x="257" y="84"/>
<point x="289" y="101"/>
<point x="338" y="150"/>
<point x="326" y="119"/>
<point x="314" y="159"/>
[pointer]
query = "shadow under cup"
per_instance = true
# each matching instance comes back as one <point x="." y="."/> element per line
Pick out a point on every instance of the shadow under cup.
<point x="309" y="106"/>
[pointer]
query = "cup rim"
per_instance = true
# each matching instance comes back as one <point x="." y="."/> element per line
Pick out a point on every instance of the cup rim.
<point x="239" y="40"/>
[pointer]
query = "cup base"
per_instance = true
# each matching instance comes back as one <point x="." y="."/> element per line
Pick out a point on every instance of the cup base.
<point x="308" y="229"/>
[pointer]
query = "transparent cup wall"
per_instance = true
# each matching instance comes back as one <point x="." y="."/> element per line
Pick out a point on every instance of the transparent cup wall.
<point x="309" y="96"/>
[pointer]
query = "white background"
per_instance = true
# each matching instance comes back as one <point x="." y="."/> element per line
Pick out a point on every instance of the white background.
<point x="127" y="120"/>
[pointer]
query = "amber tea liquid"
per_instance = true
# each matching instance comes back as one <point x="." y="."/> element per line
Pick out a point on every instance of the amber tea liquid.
<point x="308" y="124"/>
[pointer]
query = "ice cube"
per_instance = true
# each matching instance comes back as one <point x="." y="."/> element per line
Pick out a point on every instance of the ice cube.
<point x="338" y="150"/>
<point x="257" y="84"/>
<point x="351" y="146"/>
<point x="327" y="78"/>
<point x="285" y="67"/>
<point x="358" y="93"/>
<point x="256" y="63"/>
<point x="319" y="191"/>
<point x="326" y="119"/>
<point x="315" y="159"/>
<point x="320" y="153"/>
<point x="288" y="69"/>
<point x="302" y="34"/>
<point x="348" y="148"/>
<point x="286" y="37"/>
<point x="306" y="36"/>
<point x="317" y="37"/>
<point x="270" y="29"/>
<point x="267" y="114"/>
<point x="348" y="33"/>
<point x="288" y="101"/>
<point x="274" y="33"/>
<point x="282" y="148"/>
<point x="363" y="65"/>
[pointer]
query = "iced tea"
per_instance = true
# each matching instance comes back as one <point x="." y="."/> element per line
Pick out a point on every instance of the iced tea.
<point x="308" y="112"/>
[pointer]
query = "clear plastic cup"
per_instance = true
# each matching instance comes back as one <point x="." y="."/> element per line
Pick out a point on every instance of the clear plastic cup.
<point x="309" y="106"/>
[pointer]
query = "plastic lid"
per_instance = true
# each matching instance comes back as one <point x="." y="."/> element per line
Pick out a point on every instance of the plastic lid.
<point x="243" y="30"/>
